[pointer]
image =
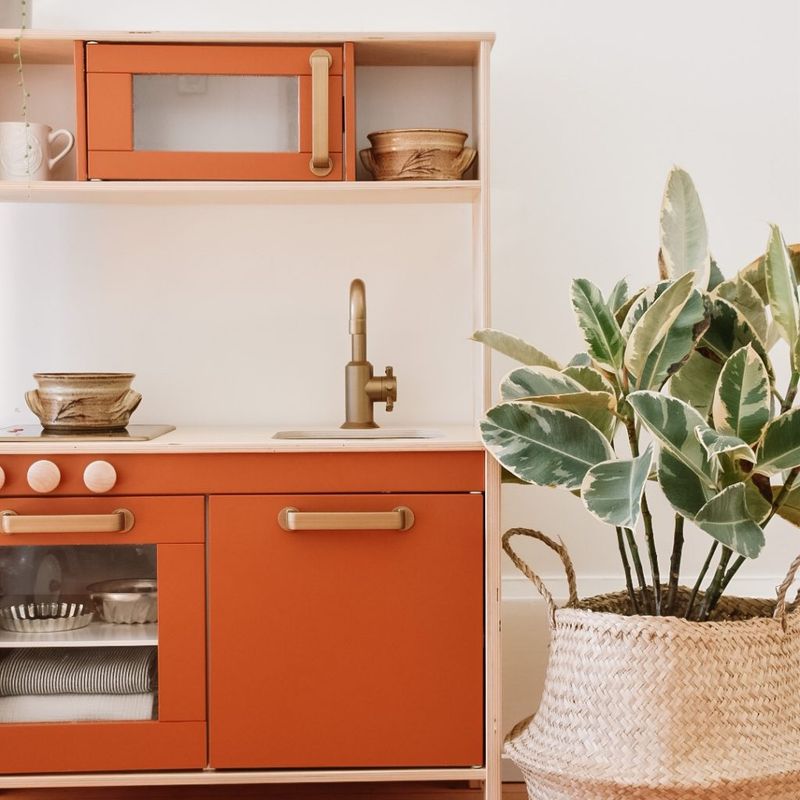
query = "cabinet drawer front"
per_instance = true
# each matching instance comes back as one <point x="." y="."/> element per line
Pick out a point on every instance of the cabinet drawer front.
<point x="346" y="648"/>
<point x="155" y="519"/>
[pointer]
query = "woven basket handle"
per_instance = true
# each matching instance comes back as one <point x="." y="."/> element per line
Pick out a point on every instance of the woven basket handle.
<point x="559" y="548"/>
<point x="780" y="606"/>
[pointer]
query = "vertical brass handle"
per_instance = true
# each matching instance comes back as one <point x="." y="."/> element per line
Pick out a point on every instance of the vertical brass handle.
<point x="320" y="163"/>
<point x="399" y="519"/>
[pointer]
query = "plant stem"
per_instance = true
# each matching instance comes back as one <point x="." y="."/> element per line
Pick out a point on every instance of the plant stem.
<point x="791" y="391"/>
<point x="675" y="564"/>
<point x="627" y="567"/>
<point x="637" y="565"/>
<point x="700" y="579"/>
<point x="776" y="504"/>
<point x="713" y="591"/>
<point x="633" y="439"/>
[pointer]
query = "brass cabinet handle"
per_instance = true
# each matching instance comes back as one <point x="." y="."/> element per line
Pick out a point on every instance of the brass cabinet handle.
<point x="118" y="521"/>
<point x="399" y="519"/>
<point x="320" y="163"/>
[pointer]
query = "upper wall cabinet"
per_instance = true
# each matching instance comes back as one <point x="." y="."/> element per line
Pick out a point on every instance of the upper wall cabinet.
<point x="214" y="112"/>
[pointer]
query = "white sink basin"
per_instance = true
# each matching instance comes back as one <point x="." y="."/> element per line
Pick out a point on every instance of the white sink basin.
<point x="360" y="433"/>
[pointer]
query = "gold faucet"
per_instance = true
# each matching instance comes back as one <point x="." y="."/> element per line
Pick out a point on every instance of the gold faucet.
<point x="362" y="390"/>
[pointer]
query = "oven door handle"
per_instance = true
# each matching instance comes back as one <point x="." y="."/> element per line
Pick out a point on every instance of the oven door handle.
<point x="320" y="163"/>
<point x="119" y="521"/>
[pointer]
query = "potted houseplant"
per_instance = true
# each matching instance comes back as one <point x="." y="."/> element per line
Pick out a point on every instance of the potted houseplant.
<point x="663" y="690"/>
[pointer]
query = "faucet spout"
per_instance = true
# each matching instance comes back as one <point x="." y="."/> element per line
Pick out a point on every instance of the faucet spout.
<point x="358" y="320"/>
<point x="362" y="389"/>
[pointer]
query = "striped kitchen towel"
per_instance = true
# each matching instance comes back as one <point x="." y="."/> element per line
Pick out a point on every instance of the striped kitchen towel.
<point x="79" y="670"/>
<point x="76" y="707"/>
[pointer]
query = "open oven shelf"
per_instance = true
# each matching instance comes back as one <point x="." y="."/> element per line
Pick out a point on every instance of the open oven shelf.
<point x="98" y="634"/>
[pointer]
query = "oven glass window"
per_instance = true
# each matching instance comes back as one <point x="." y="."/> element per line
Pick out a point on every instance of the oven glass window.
<point x="222" y="113"/>
<point x="78" y="633"/>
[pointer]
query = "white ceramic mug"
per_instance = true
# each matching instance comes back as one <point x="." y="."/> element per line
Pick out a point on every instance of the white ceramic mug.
<point x="19" y="163"/>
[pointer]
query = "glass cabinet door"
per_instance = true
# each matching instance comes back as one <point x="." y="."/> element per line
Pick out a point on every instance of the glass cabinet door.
<point x="78" y="633"/>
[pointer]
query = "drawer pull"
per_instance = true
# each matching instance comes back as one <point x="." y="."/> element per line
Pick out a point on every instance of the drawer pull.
<point x="118" y="521"/>
<point x="320" y="163"/>
<point x="399" y="519"/>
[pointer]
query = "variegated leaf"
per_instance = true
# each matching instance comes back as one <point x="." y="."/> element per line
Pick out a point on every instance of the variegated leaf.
<point x="754" y="272"/>
<point x="579" y="360"/>
<point x="741" y="405"/>
<point x="515" y="348"/>
<point x="673" y="423"/>
<point x="715" y="276"/>
<point x="541" y="445"/>
<point x="728" y="331"/>
<point x="780" y="448"/>
<point x="684" y="237"/>
<point x="695" y="381"/>
<point x="758" y="506"/>
<point x="725" y="517"/>
<point x="745" y="299"/>
<point x="715" y="444"/>
<point x="671" y="353"/>
<point x="645" y="299"/>
<point x="654" y="325"/>
<point x="594" y="381"/>
<point x="533" y="381"/>
<point x="618" y="296"/>
<point x="782" y="288"/>
<point x="612" y="490"/>
<point x="600" y="329"/>
<point x="623" y="310"/>
<point x="682" y="487"/>
<point x="790" y="505"/>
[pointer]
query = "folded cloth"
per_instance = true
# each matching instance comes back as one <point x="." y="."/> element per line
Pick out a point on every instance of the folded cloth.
<point x="76" y="707"/>
<point x="79" y="670"/>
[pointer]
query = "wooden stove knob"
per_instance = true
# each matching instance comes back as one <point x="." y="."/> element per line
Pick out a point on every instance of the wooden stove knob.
<point x="99" y="477"/>
<point x="2" y="477"/>
<point x="43" y="476"/>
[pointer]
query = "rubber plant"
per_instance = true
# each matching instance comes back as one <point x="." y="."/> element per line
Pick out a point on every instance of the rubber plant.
<point x="675" y="387"/>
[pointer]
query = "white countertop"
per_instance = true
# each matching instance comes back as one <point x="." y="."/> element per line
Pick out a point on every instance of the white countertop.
<point x="247" y="439"/>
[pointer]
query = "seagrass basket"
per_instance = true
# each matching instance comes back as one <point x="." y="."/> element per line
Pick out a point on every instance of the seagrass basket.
<point x="661" y="708"/>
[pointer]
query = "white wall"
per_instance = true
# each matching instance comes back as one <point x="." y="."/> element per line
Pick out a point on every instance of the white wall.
<point x="592" y="103"/>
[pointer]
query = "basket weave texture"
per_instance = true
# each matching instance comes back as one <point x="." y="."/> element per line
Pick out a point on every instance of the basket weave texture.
<point x="661" y="708"/>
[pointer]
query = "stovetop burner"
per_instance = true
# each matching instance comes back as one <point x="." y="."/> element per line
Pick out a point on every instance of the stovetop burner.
<point x="35" y="433"/>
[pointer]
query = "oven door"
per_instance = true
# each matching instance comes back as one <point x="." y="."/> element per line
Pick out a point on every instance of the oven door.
<point x="93" y="676"/>
<point x="214" y="112"/>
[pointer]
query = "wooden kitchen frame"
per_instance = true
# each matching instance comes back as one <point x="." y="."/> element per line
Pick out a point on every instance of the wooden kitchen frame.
<point x="210" y="464"/>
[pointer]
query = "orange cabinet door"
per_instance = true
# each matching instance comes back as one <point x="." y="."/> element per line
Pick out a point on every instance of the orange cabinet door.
<point x="214" y="112"/>
<point x="346" y="648"/>
<point x="165" y="542"/>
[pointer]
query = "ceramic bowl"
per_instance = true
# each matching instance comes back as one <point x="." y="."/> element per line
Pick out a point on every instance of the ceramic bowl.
<point x="72" y="402"/>
<point x="418" y="154"/>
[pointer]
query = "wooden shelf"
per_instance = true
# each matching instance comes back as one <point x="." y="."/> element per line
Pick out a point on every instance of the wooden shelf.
<point x="389" y="49"/>
<point x="295" y="193"/>
<point x="97" y="634"/>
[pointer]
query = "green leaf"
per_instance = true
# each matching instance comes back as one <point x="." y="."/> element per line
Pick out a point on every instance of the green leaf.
<point x="682" y="487"/>
<point x="715" y="277"/>
<point x="684" y="237"/>
<point x="545" y="446"/>
<point x="672" y="352"/>
<point x="726" y="518"/>
<point x="623" y="310"/>
<point x="643" y="301"/>
<point x="590" y="378"/>
<point x="780" y="448"/>
<point x="754" y="272"/>
<point x="612" y="490"/>
<point x="532" y="381"/>
<point x="745" y="299"/>
<point x="715" y="444"/>
<point x="600" y="329"/>
<point x="548" y="387"/>
<point x="618" y="296"/>
<point x="695" y="381"/>
<point x="515" y="348"/>
<point x="741" y="405"/>
<point x="673" y="423"/>
<point x="580" y="360"/>
<point x="654" y="325"/>
<point x="727" y="332"/>
<point x="758" y="506"/>
<point x="790" y="506"/>
<point x="782" y="288"/>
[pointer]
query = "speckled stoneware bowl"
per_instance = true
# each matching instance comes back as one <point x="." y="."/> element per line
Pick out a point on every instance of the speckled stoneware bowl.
<point x="417" y="154"/>
<point x="83" y="402"/>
